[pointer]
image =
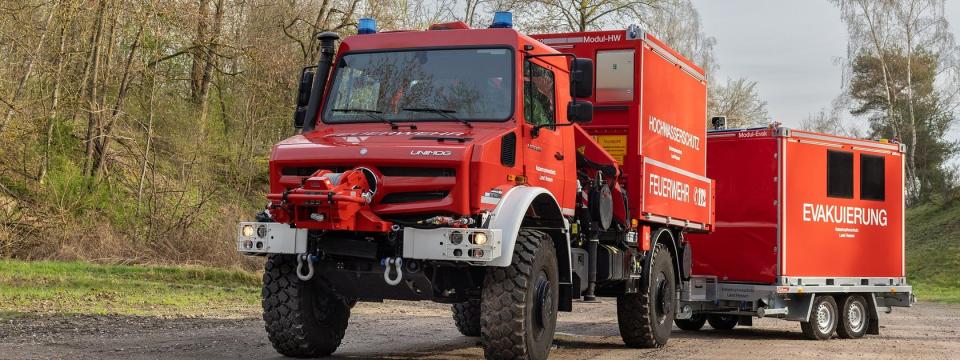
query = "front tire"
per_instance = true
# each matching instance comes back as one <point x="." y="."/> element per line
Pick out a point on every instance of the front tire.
<point x="823" y="319"/>
<point x="645" y="317"/>
<point x="694" y="323"/>
<point x="519" y="302"/>
<point x="303" y="319"/>
<point x="467" y="317"/>
<point x="723" y="322"/>
<point x="854" y="318"/>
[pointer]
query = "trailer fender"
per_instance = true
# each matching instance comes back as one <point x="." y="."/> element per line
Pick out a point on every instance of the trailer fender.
<point x="510" y="214"/>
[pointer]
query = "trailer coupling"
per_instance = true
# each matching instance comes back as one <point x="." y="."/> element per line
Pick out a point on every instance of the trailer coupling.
<point x="330" y="201"/>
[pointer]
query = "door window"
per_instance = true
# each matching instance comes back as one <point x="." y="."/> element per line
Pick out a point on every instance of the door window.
<point x="539" y="95"/>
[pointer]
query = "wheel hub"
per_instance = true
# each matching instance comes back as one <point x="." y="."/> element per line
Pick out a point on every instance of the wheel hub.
<point x="664" y="300"/>
<point x="855" y="317"/>
<point x="824" y="318"/>
<point x="543" y="302"/>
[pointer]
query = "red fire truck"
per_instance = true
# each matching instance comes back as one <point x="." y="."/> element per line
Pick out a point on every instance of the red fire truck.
<point x="461" y="166"/>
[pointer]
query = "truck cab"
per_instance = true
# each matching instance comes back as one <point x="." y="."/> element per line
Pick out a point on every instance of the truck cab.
<point x="450" y="165"/>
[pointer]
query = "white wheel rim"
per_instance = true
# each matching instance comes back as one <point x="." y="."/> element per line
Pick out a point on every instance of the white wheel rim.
<point x="855" y="317"/>
<point x="824" y="318"/>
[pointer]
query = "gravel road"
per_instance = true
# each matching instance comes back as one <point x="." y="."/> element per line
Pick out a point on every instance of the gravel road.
<point x="406" y="330"/>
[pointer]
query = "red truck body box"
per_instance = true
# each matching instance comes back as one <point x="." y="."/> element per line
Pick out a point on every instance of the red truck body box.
<point x="794" y="204"/>
<point x="650" y="116"/>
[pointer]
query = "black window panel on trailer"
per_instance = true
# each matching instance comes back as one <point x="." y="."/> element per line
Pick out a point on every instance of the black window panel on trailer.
<point x="839" y="174"/>
<point x="872" y="177"/>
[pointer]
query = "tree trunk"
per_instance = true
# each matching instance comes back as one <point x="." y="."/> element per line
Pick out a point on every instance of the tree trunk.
<point x="93" y="110"/>
<point x="54" y="103"/>
<point x="200" y="50"/>
<point x="22" y="84"/>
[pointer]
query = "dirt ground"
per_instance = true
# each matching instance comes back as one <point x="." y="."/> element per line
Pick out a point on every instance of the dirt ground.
<point x="405" y="330"/>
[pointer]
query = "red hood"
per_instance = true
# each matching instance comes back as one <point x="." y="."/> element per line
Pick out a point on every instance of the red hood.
<point x="424" y="170"/>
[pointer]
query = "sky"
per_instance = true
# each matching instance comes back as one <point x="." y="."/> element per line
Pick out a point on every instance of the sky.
<point x="791" y="48"/>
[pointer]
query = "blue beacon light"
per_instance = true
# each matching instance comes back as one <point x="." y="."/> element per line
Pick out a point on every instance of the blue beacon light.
<point x="502" y="20"/>
<point x="366" y="26"/>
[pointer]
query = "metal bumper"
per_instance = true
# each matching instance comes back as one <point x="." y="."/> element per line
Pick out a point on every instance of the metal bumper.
<point x="452" y="244"/>
<point x="256" y="238"/>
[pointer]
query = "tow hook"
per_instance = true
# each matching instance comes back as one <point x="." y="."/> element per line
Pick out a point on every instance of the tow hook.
<point x="309" y="259"/>
<point x="396" y="263"/>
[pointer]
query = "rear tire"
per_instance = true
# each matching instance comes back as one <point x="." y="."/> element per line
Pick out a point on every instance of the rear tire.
<point x="823" y="319"/>
<point x="467" y="317"/>
<point x="694" y="323"/>
<point x="518" y="307"/>
<point x="723" y="322"/>
<point x="854" y="318"/>
<point x="645" y="317"/>
<point x="303" y="319"/>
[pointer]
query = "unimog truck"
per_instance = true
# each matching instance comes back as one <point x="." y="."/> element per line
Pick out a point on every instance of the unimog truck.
<point x="461" y="166"/>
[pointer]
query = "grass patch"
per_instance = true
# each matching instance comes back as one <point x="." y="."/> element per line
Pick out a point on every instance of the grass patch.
<point x="933" y="251"/>
<point x="77" y="287"/>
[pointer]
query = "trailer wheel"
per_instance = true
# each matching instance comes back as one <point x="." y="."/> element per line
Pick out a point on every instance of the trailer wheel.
<point x="854" y="318"/>
<point x="694" y="323"/>
<point x="823" y="319"/>
<point x="645" y="317"/>
<point x="467" y="317"/>
<point x="723" y="322"/>
<point x="303" y="319"/>
<point x="518" y="307"/>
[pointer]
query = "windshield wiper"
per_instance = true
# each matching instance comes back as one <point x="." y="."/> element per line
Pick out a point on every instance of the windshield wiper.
<point x="442" y="112"/>
<point x="373" y="114"/>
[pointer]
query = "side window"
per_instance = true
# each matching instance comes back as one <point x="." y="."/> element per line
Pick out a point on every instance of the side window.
<point x="839" y="174"/>
<point x="539" y="95"/>
<point x="872" y="177"/>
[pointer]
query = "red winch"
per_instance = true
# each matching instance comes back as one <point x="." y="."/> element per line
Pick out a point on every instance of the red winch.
<point x="330" y="201"/>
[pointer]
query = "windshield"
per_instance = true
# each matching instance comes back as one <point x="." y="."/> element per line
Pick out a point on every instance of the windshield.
<point x="432" y="85"/>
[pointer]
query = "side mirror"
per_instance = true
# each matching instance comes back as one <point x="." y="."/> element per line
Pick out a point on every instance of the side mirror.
<point x="303" y="96"/>
<point x="581" y="77"/>
<point x="580" y="112"/>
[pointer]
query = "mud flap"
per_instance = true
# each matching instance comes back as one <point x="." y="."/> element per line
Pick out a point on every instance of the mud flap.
<point x="874" y="327"/>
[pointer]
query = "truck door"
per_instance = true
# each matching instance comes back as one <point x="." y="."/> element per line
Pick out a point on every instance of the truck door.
<point x="543" y="153"/>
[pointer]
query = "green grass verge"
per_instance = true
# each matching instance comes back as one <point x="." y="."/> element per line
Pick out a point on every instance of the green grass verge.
<point x="933" y="252"/>
<point x="76" y="287"/>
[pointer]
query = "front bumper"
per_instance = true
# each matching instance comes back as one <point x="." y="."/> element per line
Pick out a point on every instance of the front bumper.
<point x="449" y="244"/>
<point x="258" y="238"/>
<point x="452" y="244"/>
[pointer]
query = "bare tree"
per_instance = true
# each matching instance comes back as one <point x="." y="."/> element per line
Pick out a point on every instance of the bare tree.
<point x="738" y="100"/>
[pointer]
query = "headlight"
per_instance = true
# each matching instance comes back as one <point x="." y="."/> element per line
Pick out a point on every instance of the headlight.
<point x="247" y="230"/>
<point x="478" y="238"/>
<point x="456" y="237"/>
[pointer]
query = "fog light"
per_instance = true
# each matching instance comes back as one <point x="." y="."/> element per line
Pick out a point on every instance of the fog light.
<point x="247" y="230"/>
<point x="456" y="237"/>
<point x="262" y="231"/>
<point x="478" y="238"/>
<point x="477" y="253"/>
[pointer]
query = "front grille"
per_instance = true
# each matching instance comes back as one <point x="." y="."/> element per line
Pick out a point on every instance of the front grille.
<point x="417" y="172"/>
<point x="406" y="197"/>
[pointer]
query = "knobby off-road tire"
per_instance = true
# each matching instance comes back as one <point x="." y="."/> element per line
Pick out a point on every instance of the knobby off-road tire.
<point x="723" y="322"/>
<point x="467" y="317"/>
<point x="303" y="319"/>
<point x="854" y="317"/>
<point x="694" y="323"/>
<point x="823" y="319"/>
<point x="646" y="317"/>
<point x="519" y="302"/>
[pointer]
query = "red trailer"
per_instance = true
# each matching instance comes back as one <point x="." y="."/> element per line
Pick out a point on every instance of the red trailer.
<point x="803" y="220"/>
